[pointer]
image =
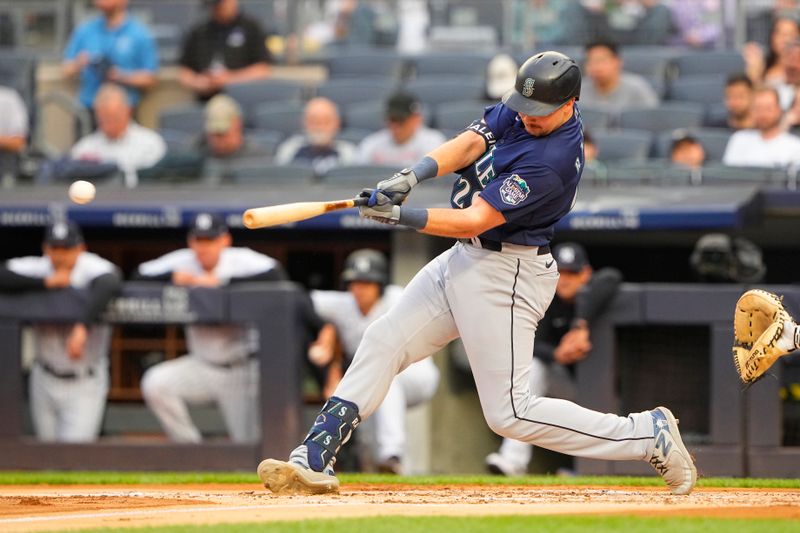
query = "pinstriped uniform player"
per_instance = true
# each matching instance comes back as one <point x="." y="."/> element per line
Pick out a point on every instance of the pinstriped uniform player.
<point x="520" y="165"/>
<point x="69" y="378"/>
<point x="221" y="366"/>
<point x="351" y="312"/>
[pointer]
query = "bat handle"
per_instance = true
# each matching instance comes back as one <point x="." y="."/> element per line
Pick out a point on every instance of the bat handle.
<point x="359" y="201"/>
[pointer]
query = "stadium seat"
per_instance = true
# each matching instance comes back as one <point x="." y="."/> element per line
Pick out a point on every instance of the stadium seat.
<point x="715" y="114"/>
<point x="433" y="91"/>
<point x="721" y="62"/>
<point x="718" y="174"/>
<point x="18" y="71"/>
<point x="187" y="119"/>
<point x="365" y="116"/>
<point x="254" y="93"/>
<point x="348" y="91"/>
<point x="668" y="116"/>
<point x="266" y="141"/>
<point x="703" y="89"/>
<point x="652" y="172"/>
<point x="286" y="117"/>
<point x="596" y="119"/>
<point x="262" y="172"/>
<point x="447" y="64"/>
<point x="651" y="62"/>
<point x="359" y="174"/>
<point x="177" y="139"/>
<point x="623" y="144"/>
<point x="353" y="135"/>
<point x="458" y="115"/>
<point x="364" y="63"/>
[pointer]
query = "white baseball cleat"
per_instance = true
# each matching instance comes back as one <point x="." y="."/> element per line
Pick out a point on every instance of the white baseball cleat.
<point x="498" y="464"/>
<point x="295" y="477"/>
<point x="670" y="457"/>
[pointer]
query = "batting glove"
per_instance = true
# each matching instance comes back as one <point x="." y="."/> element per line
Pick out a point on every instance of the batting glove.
<point x="399" y="186"/>
<point x="380" y="207"/>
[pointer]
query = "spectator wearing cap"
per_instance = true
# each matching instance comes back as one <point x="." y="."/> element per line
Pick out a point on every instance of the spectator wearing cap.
<point x="687" y="152"/>
<point x="562" y="340"/>
<point x="119" y="139"/>
<point x="607" y="86"/>
<point x="221" y="366"/>
<point x="69" y="378"/>
<point x="738" y="104"/>
<point x="112" y="47"/>
<point x="229" y="47"/>
<point x="318" y="146"/>
<point x="405" y="139"/>
<point x="767" y="145"/>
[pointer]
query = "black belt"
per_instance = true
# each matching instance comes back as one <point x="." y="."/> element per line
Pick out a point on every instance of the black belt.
<point x="64" y="375"/>
<point x="497" y="246"/>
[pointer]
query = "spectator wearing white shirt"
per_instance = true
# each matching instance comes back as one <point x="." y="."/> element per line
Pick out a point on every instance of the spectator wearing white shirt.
<point x="14" y="125"/>
<point x="768" y="145"/>
<point x="118" y="138"/>
<point x="405" y="140"/>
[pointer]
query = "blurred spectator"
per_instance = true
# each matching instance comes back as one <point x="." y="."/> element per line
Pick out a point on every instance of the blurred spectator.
<point x="221" y="366"/>
<point x="318" y="146"/>
<point x="69" y="377"/>
<point x="640" y="22"/>
<point x="563" y="340"/>
<point x="687" y="152"/>
<point x="767" y="145"/>
<point x="606" y="86"/>
<point x="720" y="258"/>
<point x="738" y="104"/>
<point x="698" y="22"/>
<point x="770" y="67"/>
<point x="760" y="24"/>
<point x="593" y="167"/>
<point x="113" y="47"/>
<point x="790" y="84"/>
<point x="118" y="138"/>
<point x="229" y="47"/>
<point x="501" y="74"/>
<point x="413" y="20"/>
<point x="791" y="120"/>
<point x="537" y="24"/>
<point x="13" y="131"/>
<point x="405" y="139"/>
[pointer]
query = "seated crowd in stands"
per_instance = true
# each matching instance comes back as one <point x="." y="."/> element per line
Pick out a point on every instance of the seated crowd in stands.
<point x="245" y="117"/>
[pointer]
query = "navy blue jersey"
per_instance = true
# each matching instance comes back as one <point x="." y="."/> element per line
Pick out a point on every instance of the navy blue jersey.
<point x="531" y="180"/>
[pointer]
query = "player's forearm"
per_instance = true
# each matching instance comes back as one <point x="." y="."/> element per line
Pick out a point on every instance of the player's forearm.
<point x="10" y="281"/>
<point x="139" y="79"/>
<point x="458" y="152"/>
<point x="462" y="223"/>
<point x="12" y="143"/>
<point x="103" y="288"/>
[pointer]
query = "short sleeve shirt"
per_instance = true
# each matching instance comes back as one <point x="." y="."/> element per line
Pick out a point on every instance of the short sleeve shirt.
<point x="531" y="180"/>
<point x="129" y="47"/>
<point x="236" y="45"/>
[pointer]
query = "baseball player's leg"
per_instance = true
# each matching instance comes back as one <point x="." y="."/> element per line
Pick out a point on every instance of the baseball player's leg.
<point x="84" y="403"/>
<point x="237" y="397"/>
<point x="169" y="386"/>
<point x="497" y="316"/>
<point x="513" y="457"/>
<point x="413" y="386"/>
<point x="43" y="409"/>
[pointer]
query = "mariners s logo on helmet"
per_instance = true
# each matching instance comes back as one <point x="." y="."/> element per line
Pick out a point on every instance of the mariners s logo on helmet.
<point x="527" y="88"/>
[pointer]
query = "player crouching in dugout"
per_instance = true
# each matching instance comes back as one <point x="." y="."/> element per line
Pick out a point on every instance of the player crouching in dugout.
<point x="69" y="377"/>
<point x="221" y="366"/>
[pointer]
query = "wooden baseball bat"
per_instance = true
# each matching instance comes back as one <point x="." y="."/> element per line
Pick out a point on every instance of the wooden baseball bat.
<point x="275" y="215"/>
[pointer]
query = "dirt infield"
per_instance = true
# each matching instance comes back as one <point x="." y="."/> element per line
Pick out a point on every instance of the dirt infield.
<point x="48" y="508"/>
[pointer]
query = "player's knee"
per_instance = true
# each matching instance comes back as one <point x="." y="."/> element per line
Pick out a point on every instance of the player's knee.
<point x="153" y="386"/>
<point x="502" y="424"/>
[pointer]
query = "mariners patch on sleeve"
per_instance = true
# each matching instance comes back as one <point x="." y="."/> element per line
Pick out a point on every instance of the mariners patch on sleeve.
<point x="514" y="190"/>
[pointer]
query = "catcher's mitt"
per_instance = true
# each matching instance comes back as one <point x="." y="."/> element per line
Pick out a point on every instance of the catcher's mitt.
<point x="758" y="323"/>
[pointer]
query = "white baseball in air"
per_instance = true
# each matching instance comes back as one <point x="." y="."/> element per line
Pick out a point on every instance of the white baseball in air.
<point x="81" y="192"/>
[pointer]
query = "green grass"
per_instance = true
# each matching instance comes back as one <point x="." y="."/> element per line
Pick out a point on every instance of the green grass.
<point x="173" y="478"/>
<point x="489" y="524"/>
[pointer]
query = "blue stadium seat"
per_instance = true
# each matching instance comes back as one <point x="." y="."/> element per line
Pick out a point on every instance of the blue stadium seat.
<point x="254" y="93"/>
<point x="364" y="63"/>
<point x="365" y="116"/>
<point x="286" y="117"/>
<point x="186" y="118"/>
<point x="718" y="174"/>
<point x="453" y="64"/>
<point x="668" y="116"/>
<point x="721" y="62"/>
<point x="623" y="144"/>
<point x="359" y="174"/>
<point x="348" y="91"/>
<point x="714" y="141"/>
<point x="651" y="62"/>
<point x="353" y="135"/>
<point x="458" y="115"/>
<point x="178" y="140"/>
<point x="715" y="114"/>
<point x="652" y="172"/>
<point x="433" y="90"/>
<point x="703" y="89"/>
<point x="596" y="119"/>
<point x="263" y="172"/>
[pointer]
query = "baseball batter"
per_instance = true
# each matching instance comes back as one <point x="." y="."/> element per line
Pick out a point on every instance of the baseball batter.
<point x="221" y="366"/>
<point x="368" y="298"/>
<point x="69" y="378"/>
<point x="520" y="166"/>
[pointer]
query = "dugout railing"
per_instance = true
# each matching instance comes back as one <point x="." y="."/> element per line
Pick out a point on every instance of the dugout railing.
<point x="271" y="307"/>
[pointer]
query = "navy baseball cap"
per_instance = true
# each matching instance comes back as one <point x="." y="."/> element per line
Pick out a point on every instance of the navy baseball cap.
<point x="63" y="234"/>
<point x="207" y="226"/>
<point x="402" y="105"/>
<point x="571" y="256"/>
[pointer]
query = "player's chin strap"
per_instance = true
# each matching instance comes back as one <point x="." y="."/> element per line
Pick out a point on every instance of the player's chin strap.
<point x="332" y="428"/>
